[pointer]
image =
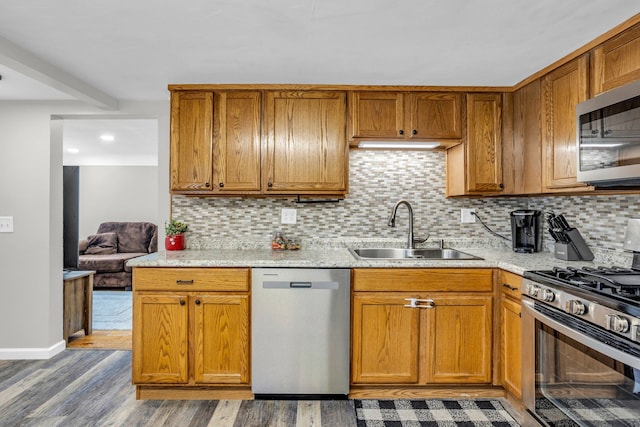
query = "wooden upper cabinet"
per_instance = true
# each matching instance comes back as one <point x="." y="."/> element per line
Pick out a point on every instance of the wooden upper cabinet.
<point x="562" y="90"/>
<point x="405" y="115"/>
<point x="306" y="150"/>
<point x="475" y="167"/>
<point x="191" y="141"/>
<point x="484" y="142"/>
<point x="522" y="154"/>
<point x="377" y="115"/>
<point x="616" y="61"/>
<point x="236" y="141"/>
<point x="434" y="115"/>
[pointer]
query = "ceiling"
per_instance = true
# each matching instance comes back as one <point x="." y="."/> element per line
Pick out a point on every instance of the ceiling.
<point x="102" y="52"/>
<point x="131" y="50"/>
<point x="135" y="142"/>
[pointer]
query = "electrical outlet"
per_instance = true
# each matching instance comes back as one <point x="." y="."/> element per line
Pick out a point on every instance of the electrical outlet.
<point x="288" y="216"/>
<point x="6" y="224"/>
<point x="467" y="216"/>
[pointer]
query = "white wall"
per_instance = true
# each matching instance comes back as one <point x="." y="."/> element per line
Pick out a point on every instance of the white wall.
<point x="117" y="193"/>
<point x="31" y="192"/>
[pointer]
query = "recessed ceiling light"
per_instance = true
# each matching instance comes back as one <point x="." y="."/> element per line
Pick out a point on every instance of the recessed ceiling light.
<point x="73" y="150"/>
<point x="107" y="138"/>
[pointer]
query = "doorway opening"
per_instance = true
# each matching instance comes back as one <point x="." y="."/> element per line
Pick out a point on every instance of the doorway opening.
<point x="117" y="179"/>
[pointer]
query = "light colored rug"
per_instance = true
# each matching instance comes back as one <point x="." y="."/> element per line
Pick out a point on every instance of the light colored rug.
<point x="112" y="310"/>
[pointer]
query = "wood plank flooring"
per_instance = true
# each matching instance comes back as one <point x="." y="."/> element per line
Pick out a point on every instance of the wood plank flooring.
<point x="93" y="388"/>
<point x="105" y="340"/>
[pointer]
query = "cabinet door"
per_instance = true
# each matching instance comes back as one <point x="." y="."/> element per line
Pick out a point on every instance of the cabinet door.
<point x="191" y="141"/>
<point x="562" y="90"/>
<point x="306" y="150"/>
<point x="484" y="142"/>
<point x="384" y="339"/>
<point x="377" y="115"/>
<point x="616" y="61"/>
<point x="236" y="141"/>
<point x="221" y="339"/>
<point x="160" y="329"/>
<point x="434" y="115"/>
<point x="459" y="337"/>
<point x="511" y="347"/>
<point x="525" y="160"/>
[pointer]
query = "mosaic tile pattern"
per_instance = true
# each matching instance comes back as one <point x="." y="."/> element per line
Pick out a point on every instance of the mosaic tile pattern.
<point x="378" y="179"/>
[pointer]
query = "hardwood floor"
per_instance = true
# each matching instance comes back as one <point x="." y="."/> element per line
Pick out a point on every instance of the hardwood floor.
<point x="93" y="388"/>
<point x="105" y="340"/>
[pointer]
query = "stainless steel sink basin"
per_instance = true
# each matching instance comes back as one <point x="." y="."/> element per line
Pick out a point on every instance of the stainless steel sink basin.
<point x="410" y="254"/>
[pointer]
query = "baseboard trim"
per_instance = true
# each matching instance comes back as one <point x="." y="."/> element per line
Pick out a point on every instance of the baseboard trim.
<point x="32" y="353"/>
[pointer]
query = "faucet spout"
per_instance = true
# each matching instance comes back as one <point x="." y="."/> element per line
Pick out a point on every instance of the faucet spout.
<point x="392" y="221"/>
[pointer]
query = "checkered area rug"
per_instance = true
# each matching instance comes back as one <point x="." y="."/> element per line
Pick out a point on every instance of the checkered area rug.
<point x="432" y="412"/>
<point x="590" y="412"/>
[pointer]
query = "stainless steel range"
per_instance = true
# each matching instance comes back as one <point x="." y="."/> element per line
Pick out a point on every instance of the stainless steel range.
<point x="581" y="345"/>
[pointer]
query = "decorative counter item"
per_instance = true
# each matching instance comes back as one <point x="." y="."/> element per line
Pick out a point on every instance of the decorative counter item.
<point x="293" y="244"/>
<point x="174" y="230"/>
<point x="279" y="242"/>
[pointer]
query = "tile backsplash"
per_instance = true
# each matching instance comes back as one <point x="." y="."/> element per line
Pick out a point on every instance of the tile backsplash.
<point x="378" y="179"/>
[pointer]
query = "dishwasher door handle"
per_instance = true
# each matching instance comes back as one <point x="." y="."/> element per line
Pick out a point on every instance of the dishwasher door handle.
<point x="299" y="285"/>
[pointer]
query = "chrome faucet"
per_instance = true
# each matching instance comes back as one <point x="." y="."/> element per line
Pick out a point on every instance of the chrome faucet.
<point x="411" y="241"/>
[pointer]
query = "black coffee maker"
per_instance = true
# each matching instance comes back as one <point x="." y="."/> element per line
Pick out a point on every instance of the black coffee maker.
<point x="526" y="230"/>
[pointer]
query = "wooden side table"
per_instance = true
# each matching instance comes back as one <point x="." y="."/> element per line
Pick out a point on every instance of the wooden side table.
<point x="78" y="302"/>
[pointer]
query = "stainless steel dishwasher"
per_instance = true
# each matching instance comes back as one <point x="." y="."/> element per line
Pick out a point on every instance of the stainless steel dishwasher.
<point x="300" y="332"/>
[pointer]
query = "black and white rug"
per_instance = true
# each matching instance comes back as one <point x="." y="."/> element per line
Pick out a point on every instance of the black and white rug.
<point x="432" y="412"/>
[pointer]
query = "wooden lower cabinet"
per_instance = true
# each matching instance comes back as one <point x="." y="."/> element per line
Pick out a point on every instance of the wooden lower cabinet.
<point x="385" y="340"/>
<point x="191" y="337"/>
<point x="459" y="330"/>
<point x="396" y="344"/>
<point x="221" y="339"/>
<point x="511" y="327"/>
<point x="160" y="335"/>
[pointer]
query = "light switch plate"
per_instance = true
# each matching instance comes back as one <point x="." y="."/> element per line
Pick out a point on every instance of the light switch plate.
<point x="6" y="224"/>
<point x="288" y="216"/>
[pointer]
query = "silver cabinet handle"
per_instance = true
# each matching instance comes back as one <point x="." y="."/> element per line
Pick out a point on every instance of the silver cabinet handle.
<point x="416" y="303"/>
<point x="184" y="282"/>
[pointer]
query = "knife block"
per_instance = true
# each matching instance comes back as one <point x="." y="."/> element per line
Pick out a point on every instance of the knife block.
<point x="575" y="249"/>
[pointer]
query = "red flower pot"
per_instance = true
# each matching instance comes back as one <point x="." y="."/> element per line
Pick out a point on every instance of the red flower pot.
<point x="174" y="243"/>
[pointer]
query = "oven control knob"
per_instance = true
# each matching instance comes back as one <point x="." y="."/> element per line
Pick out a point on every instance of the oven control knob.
<point x="575" y="307"/>
<point x="548" y="295"/>
<point x="533" y="290"/>
<point x="617" y="323"/>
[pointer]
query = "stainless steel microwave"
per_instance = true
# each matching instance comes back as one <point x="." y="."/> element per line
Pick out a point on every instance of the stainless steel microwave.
<point x="608" y="138"/>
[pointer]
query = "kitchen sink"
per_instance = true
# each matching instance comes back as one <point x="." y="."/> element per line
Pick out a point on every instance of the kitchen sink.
<point x="410" y="254"/>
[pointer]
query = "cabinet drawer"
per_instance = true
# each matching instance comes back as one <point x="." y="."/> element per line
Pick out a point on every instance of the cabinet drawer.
<point x="510" y="284"/>
<point x="430" y="279"/>
<point x="191" y="279"/>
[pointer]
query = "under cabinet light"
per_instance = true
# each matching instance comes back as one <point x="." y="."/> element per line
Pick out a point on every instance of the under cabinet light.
<point x="388" y="144"/>
<point x="107" y="138"/>
<point x="73" y="150"/>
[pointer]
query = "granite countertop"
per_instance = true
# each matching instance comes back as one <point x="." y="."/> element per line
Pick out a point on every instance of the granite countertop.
<point x="335" y="257"/>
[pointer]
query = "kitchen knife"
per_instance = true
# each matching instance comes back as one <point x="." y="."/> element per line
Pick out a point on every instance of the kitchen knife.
<point x="563" y="222"/>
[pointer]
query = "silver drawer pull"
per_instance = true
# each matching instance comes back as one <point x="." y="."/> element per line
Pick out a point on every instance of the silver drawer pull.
<point x="415" y="303"/>
<point x="184" y="282"/>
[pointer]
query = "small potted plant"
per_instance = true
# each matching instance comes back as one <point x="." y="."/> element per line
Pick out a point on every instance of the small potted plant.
<point x="174" y="230"/>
